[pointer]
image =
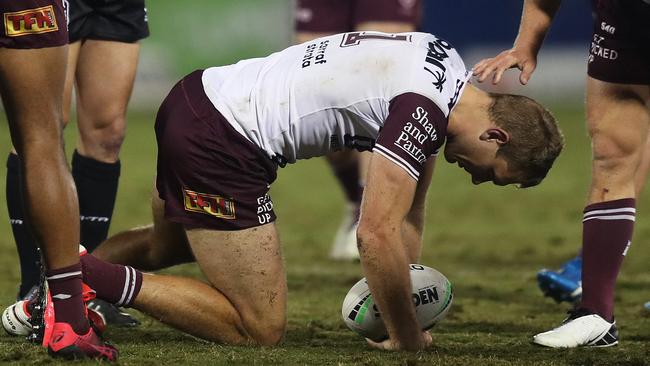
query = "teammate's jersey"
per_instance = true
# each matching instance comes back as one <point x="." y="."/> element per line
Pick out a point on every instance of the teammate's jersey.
<point x="341" y="91"/>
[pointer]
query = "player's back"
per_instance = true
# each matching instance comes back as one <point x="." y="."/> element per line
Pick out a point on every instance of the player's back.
<point x="304" y="101"/>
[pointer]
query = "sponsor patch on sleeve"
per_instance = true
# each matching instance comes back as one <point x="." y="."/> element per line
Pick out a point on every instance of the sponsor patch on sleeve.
<point x="414" y="130"/>
<point x="31" y="21"/>
<point x="209" y="204"/>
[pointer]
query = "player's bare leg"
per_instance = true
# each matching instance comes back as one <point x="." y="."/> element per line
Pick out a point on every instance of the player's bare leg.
<point x="101" y="106"/>
<point x="148" y="248"/>
<point x="246" y="302"/>
<point x="24" y="239"/>
<point x="31" y="82"/>
<point x="34" y="111"/>
<point x="101" y="118"/>
<point x="618" y="120"/>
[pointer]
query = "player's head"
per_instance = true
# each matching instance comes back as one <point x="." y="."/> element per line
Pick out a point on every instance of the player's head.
<point x="517" y="145"/>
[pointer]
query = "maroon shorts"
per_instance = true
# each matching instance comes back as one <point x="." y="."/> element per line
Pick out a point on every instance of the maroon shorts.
<point x="338" y="16"/>
<point x="209" y="175"/>
<point x="33" y="24"/>
<point x="620" y="47"/>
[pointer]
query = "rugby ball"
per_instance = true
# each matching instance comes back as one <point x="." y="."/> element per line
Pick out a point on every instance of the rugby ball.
<point x="432" y="296"/>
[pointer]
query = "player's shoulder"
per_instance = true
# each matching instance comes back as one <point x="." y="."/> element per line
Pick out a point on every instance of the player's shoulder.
<point x="438" y="72"/>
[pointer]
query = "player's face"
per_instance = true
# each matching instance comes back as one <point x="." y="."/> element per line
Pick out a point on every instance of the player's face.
<point x="480" y="160"/>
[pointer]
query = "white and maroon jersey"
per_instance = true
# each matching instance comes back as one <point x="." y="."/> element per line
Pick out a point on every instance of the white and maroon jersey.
<point x="391" y="93"/>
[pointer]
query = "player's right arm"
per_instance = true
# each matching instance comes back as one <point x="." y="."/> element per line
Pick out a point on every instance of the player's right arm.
<point x="413" y="225"/>
<point x="398" y="176"/>
<point x="387" y="200"/>
<point x="536" y="19"/>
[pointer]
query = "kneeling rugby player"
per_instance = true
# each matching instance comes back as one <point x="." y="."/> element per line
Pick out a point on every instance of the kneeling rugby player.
<point x="223" y="132"/>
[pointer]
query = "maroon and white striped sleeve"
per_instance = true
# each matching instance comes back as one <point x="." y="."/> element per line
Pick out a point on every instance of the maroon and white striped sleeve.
<point x="414" y="130"/>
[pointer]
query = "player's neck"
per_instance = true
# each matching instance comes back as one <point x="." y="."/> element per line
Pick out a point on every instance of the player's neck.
<point x="470" y="112"/>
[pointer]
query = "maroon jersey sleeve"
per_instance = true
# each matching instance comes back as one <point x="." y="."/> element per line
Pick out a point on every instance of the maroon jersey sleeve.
<point x="414" y="130"/>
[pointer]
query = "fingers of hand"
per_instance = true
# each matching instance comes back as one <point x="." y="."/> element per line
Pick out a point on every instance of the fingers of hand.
<point x="428" y="339"/>
<point x="387" y="345"/>
<point x="496" y="66"/>
<point x="526" y="72"/>
<point x="480" y="66"/>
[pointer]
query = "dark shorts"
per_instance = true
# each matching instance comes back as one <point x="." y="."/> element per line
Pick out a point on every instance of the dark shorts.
<point x="620" y="47"/>
<point x="33" y="24"/>
<point x="338" y="16"/>
<point x="209" y="175"/>
<point x="108" y="20"/>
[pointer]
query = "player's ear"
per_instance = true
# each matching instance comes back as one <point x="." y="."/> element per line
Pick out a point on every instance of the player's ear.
<point x="497" y="134"/>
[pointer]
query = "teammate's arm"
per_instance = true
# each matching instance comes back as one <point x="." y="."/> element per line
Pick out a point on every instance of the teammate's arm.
<point x="536" y="19"/>
<point x="388" y="197"/>
<point x="413" y="225"/>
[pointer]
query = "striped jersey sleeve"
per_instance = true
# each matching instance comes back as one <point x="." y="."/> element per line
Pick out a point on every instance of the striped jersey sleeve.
<point x="414" y="130"/>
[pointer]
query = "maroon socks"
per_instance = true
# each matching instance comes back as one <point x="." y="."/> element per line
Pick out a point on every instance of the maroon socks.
<point x="607" y="234"/>
<point x="65" y="288"/>
<point x="114" y="283"/>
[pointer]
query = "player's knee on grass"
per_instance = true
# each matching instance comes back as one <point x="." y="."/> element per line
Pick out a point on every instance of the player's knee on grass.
<point x="265" y="329"/>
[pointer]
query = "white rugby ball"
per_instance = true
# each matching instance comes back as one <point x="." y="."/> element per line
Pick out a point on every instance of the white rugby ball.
<point x="432" y="296"/>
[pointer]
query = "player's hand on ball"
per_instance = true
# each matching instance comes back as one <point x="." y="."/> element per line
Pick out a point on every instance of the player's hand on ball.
<point x="524" y="60"/>
<point x="390" y="345"/>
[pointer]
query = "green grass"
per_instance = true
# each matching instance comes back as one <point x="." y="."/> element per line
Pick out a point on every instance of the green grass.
<point x="489" y="241"/>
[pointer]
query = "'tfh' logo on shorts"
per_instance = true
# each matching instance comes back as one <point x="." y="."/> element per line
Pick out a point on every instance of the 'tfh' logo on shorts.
<point x="31" y="21"/>
<point x="209" y="204"/>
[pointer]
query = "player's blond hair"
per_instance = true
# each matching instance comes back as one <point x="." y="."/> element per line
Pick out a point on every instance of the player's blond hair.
<point x="535" y="138"/>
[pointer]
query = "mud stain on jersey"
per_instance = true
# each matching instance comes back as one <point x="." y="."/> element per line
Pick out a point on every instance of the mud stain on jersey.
<point x="383" y="66"/>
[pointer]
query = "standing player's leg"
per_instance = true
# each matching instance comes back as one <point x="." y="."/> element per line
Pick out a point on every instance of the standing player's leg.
<point x="618" y="120"/>
<point x="105" y="73"/>
<point x="101" y="111"/>
<point x="26" y="245"/>
<point x="31" y="82"/>
<point x="108" y="32"/>
<point x="566" y="284"/>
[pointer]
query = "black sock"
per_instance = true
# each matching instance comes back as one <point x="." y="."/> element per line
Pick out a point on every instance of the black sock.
<point x="28" y="254"/>
<point x="96" y="187"/>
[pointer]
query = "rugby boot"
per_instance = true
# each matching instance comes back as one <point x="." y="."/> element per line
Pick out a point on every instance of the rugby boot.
<point x="61" y="340"/>
<point x="41" y="315"/>
<point x="581" y="329"/>
<point x="64" y="342"/>
<point x="15" y="319"/>
<point x="564" y="284"/>
<point x="344" y="247"/>
<point x="111" y="314"/>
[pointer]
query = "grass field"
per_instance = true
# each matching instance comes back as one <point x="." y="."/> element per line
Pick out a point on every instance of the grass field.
<point x="488" y="240"/>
